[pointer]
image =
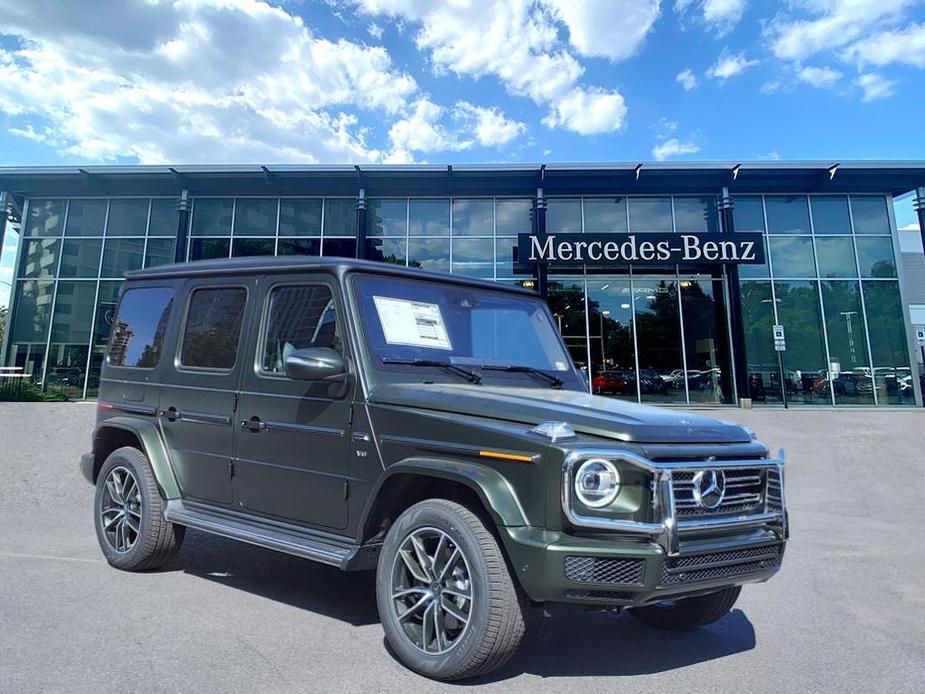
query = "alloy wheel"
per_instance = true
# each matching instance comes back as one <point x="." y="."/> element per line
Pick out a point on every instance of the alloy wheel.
<point x="120" y="509"/>
<point x="431" y="590"/>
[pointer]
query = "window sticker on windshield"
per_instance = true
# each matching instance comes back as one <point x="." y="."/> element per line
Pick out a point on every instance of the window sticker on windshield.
<point x="412" y="323"/>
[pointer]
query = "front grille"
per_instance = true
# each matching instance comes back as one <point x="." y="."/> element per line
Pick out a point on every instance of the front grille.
<point x="744" y="493"/>
<point x="775" y="490"/>
<point x="705" y="567"/>
<point x="604" y="570"/>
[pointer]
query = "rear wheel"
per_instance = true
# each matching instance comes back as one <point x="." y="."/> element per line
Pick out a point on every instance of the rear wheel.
<point x="688" y="613"/>
<point x="447" y="602"/>
<point x="129" y="514"/>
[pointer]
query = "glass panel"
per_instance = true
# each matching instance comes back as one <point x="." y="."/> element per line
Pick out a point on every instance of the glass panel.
<point x="762" y="365"/>
<point x="165" y="218"/>
<point x="504" y="257"/>
<point x="836" y="257"/>
<point x="67" y="367"/>
<point x="341" y="248"/>
<point x="805" y="371"/>
<point x="749" y="270"/>
<point x="255" y="217"/>
<point x="696" y="214"/>
<point x="46" y="218"/>
<point x="127" y="217"/>
<point x="213" y="328"/>
<point x="252" y="247"/>
<point x="613" y="360"/>
<point x="70" y="337"/>
<point x="300" y="217"/>
<point x="474" y="257"/>
<point x="563" y="215"/>
<point x="86" y="217"/>
<point x="792" y="257"/>
<point x="650" y="214"/>
<point x="706" y="343"/>
<point x="870" y="214"/>
<point x="28" y="357"/>
<point x="394" y="251"/>
<point x="604" y="215"/>
<point x="299" y="247"/>
<point x="747" y="213"/>
<point x="298" y="317"/>
<point x="429" y="217"/>
<point x="567" y="303"/>
<point x="875" y="257"/>
<point x="844" y="324"/>
<point x="212" y="217"/>
<point x="106" y="304"/>
<point x="160" y="252"/>
<point x="32" y="311"/>
<point x="886" y="323"/>
<point x="513" y="217"/>
<point x="80" y="258"/>
<point x="473" y="218"/>
<point x="205" y="249"/>
<point x="429" y="254"/>
<point x="139" y="329"/>
<point x="122" y="255"/>
<point x="39" y="258"/>
<point x="787" y="214"/>
<point x="387" y="217"/>
<point x="658" y="339"/>
<point x="340" y="217"/>
<point x="830" y="214"/>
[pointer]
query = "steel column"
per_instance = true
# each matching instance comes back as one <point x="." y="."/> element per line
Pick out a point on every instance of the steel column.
<point x="361" y="223"/>
<point x="735" y="305"/>
<point x="540" y="270"/>
<point x="183" y="207"/>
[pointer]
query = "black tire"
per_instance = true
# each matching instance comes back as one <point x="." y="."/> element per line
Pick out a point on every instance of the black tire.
<point x="689" y="613"/>
<point x="495" y="625"/>
<point x="155" y="541"/>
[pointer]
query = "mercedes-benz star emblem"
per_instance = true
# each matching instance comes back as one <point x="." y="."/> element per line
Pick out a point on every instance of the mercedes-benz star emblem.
<point x="709" y="488"/>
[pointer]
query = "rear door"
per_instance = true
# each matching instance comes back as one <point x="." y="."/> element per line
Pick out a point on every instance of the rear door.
<point x="198" y="398"/>
<point x="291" y="460"/>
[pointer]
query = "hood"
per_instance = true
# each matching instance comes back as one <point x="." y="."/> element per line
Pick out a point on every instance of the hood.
<point x="587" y="414"/>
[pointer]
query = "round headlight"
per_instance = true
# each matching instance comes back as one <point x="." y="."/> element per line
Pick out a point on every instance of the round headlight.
<point x="597" y="482"/>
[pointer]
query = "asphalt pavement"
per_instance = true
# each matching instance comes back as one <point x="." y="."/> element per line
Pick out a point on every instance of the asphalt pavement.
<point x="845" y="613"/>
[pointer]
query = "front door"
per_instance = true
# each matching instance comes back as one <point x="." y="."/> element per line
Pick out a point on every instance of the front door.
<point x="291" y="461"/>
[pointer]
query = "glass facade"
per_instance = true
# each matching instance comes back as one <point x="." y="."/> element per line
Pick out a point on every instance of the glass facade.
<point x="659" y="334"/>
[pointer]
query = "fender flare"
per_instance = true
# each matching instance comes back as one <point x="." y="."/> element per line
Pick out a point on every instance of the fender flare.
<point x="152" y="446"/>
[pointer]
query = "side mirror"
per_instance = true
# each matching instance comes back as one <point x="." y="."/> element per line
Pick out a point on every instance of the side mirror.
<point x="314" y="364"/>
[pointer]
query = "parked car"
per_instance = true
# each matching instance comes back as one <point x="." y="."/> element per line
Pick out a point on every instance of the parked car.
<point x="612" y="382"/>
<point x="429" y="427"/>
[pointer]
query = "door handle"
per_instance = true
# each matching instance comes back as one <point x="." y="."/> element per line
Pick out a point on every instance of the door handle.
<point x="253" y="425"/>
<point x="171" y="414"/>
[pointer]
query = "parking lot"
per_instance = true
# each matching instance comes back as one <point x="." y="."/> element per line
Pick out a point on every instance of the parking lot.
<point x="844" y="614"/>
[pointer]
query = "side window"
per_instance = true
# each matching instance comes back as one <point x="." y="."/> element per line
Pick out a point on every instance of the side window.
<point x="136" y="338"/>
<point x="213" y="328"/>
<point x="298" y="317"/>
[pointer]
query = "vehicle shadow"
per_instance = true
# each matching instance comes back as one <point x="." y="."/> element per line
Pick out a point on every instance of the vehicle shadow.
<point x="570" y="643"/>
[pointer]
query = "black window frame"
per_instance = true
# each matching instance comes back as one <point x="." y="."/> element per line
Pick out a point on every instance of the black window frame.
<point x="178" y="357"/>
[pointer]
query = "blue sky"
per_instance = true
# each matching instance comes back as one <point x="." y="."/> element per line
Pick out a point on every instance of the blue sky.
<point x="460" y="81"/>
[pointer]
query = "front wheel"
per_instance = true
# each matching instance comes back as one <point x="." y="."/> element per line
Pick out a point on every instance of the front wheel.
<point x="447" y="602"/>
<point x="688" y="613"/>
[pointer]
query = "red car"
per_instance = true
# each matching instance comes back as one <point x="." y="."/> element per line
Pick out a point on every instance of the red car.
<point x="610" y="382"/>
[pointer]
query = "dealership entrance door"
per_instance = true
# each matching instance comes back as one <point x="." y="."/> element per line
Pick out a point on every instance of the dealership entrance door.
<point x="658" y="337"/>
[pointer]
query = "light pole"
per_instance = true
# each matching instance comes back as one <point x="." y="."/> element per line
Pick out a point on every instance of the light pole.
<point x="851" y="350"/>
<point x="603" y="355"/>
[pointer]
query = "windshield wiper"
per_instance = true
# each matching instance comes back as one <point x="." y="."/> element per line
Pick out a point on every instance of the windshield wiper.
<point x="470" y="376"/>
<point x="517" y="368"/>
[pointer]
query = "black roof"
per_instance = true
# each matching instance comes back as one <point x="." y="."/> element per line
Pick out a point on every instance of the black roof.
<point x="264" y="265"/>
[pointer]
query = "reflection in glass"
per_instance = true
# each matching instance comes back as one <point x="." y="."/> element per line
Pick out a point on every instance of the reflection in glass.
<point x="473" y="257"/>
<point x="387" y="217"/>
<point x="160" y="252"/>
<point x="213" y="328"/>
<point x="567" y="304"/>
<point x="605" y="215"/>
<point x="86" y="217"/>
<point x="805" y="371"/>
<point x="432" y="255"/>
<point x="165" y="217"/>
<point x="342" y="248"/>
<point x="300" y="216"/>
<point x="613" y="359"/>
<point x="870" y="214"/>
<point x="747" y="270"/>
<point x="206" y="249"/>
<point x="70" y="337"/>
<point x="658" y="339"/>
<point x="764" y="382"/>
<point x="830" y="214"/>
<point x="255" y="217"/>
<point x="80" y="258"/>
<point x="748" y="213"/>
<point x="889" y="352"/>
<point x="787" y="214"/>
<point x="389" y="250"/>
<point x="39" y="258"/>
<point x="299" y="247"/>
<point x="513" y="216"/>
<point x="340" y="217"/>
<point x="696" y="214"/>
<point x="844" y="323"/>
<point x="140" y="326"/>
<point x="127" y="217"/>
<point x="473" y="217"/>
<point x="836" y="257"/>
<point x="122" y="255"/>
<point x="242" y="248"/>
<point x="705" y="341"/>
<point x="45" y="218"/>
<point x="106" y="305"/>
<point x="67" y="368"/>
<point x="563" y="215"/>
<point x="212" y="217"/>
<point x="504" y="257"/>
<point x="650" y="214"/>
<point x="33" y="311"/>
<point x="429" y="217"/>
<point x="875" y="257"/>
<point x="792" y="257"/>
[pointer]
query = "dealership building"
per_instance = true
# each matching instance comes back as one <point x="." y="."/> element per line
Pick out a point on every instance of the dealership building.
<point x="688" y="284"/>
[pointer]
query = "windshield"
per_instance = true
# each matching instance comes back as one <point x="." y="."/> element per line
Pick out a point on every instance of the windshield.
<point x="408" y="321"/>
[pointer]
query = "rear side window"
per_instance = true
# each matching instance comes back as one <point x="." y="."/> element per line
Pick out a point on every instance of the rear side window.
<point x="298" y="317"/>
<point x="137" y="334"/>
<point x="213" y="328"/>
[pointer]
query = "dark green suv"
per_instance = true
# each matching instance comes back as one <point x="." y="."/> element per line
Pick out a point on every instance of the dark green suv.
<point x="430" y="427"/>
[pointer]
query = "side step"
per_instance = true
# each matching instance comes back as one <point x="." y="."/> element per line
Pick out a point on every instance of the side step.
<point x="300" y="543"/>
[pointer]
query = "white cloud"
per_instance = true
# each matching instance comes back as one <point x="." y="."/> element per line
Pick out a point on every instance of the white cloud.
<point x="421" y="130"/>
<point x="588" y="111"/>
<point x="673" y="147"/>
<point x="729" y="65"/>
<point x="431" y="128"/>
<point x="819" y="76"/>
<point x="489" y="125"/>
<point x="911" y="226"/>
<point x="374" y="30"/>
<point x="773" y="155"/>
<point x="686" y="79"/>
<point x="720" y="15"/>
<point x="903" y="46"/>
<point x="613" y="29"/>
<point x="874" y="86"/>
